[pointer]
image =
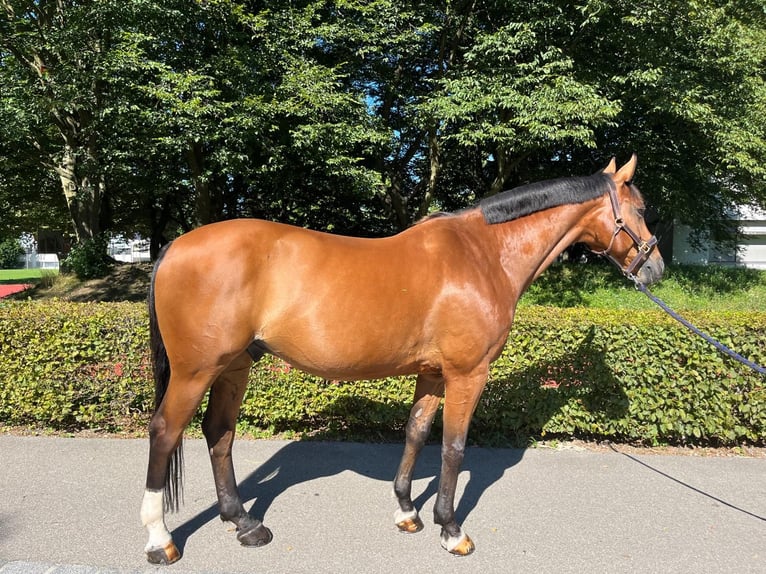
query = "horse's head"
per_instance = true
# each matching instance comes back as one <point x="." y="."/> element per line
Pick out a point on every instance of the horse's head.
<point x="619" y="231"/>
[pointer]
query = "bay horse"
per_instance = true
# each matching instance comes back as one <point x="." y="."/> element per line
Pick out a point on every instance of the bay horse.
<point x="436" y="300"/>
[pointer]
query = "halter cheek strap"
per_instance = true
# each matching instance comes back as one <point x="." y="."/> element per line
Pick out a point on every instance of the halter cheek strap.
<point x="645" y="248"/>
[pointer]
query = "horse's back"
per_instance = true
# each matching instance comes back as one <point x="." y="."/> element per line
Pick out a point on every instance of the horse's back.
<point x="252" y="249"/>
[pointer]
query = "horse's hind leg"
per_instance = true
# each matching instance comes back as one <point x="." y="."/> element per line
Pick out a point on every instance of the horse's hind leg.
<point x="428" y="393"/>
<point x="219" y="427"/>
<point x="173" y="415"/>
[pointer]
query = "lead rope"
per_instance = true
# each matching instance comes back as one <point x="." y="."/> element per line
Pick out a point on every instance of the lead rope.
<point x="718" y="345"/>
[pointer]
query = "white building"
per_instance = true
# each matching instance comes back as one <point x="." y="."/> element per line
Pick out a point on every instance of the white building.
<point x="750" y="250"/>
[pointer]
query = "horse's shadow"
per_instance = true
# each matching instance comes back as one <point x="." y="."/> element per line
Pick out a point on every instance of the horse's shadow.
<point x="300" y="462"/>
<point x="304" y="461"/>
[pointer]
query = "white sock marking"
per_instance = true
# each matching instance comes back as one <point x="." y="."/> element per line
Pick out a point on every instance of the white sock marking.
<point x="153" y="518"/>
<point x="449" y="543"/>
<point x="400" y="515"/>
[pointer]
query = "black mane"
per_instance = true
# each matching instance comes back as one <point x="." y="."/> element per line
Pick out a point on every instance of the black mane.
<point x="527" y="199"/>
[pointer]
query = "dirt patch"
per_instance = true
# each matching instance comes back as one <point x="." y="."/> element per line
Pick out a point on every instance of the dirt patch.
<point x="125" y="282"/>
<point x="746" y="451"/>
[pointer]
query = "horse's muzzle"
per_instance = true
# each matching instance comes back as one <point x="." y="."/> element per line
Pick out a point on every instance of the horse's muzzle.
<point x="651" y="271"/>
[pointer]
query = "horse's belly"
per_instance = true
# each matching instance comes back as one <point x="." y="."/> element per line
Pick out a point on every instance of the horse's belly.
<point x="336" y="354"/>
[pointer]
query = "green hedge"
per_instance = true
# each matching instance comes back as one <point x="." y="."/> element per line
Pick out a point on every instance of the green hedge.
<point x="622" y="375"/>
<point x="74" y="365"/>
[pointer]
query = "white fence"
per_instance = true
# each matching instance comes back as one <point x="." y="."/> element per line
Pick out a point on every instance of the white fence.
<point x="120" y="249"/>
<point x="129" y="251"/>
<point x="35" y="260"/>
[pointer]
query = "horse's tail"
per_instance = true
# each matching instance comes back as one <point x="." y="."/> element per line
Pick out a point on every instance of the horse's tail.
<point x="161" y="369"/>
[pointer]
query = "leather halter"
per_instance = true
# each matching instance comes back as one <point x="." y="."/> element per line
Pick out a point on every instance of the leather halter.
<point x="645" y="248"/>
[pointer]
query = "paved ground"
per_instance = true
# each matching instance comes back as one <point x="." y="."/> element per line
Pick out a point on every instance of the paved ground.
<point x="71" y="506"/>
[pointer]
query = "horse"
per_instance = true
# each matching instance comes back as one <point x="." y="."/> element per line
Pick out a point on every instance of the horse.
<point x="436" y="300"/>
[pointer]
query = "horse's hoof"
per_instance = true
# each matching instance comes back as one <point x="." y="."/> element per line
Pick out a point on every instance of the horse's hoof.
<point x="166" y="555"/>
<point x="410" y="525"/>
<point x="459" y="546"/>
<point x="408" y="521"/>
<point x="257" y="535"/>
<point x="464" y="548"/>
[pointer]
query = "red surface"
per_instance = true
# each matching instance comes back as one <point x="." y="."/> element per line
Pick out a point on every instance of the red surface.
<point x="6" y="290"/>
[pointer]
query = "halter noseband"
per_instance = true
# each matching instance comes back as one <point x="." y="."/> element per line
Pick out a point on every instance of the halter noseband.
<point x="645" y="248"/>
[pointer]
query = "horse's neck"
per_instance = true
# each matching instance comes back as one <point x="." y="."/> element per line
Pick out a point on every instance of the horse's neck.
<point x="527" y="246"/>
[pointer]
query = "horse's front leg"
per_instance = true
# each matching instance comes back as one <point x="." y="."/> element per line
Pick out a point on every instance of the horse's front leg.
<point x="219" y="426"/>
<point x="428" y="393"/>
<point x="462" y="396"/>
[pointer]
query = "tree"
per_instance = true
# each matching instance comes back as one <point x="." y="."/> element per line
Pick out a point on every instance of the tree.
<point x="467" y="93"/>
<point x="30" y="195"/>
<point x="362" y="116"/>
<point x="312" y="133"/>
<point x="248" y="118"/>
<point x="54" y="51"/>
<point x="690" y="80"/>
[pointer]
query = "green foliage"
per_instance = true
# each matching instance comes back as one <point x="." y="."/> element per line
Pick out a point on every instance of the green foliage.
<point x="520" y="91"/>
<point x="285" y="400"/>
<point x="74" y="366"/>
<point x="629" y="376"/>
<point x="360" y="117"/>
<point x="686" y="73"/>
<point x="88" y="259"/>
<point x="623" y="375"/>
<point x="10" y="251"/>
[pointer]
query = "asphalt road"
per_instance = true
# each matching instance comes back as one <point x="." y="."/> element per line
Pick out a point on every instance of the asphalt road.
<point x="72" y="506"/>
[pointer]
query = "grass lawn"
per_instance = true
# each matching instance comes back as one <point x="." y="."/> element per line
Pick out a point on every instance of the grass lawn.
<point x="684" y="287"/>
<point x="25" y="275"/>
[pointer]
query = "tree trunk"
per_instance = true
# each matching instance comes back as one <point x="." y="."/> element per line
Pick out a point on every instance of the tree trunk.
<point x="159" y="217"/>
<point x="435" y="161"/>
<point x="397" y="203"/>
<point x="203" y="202"/>
<point x="505" y="167"/>
<point x="83" y="196"/>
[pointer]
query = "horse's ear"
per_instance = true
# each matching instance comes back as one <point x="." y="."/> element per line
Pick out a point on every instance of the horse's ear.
<point x="626" y="172"/>
<point x="611" y="167"/>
